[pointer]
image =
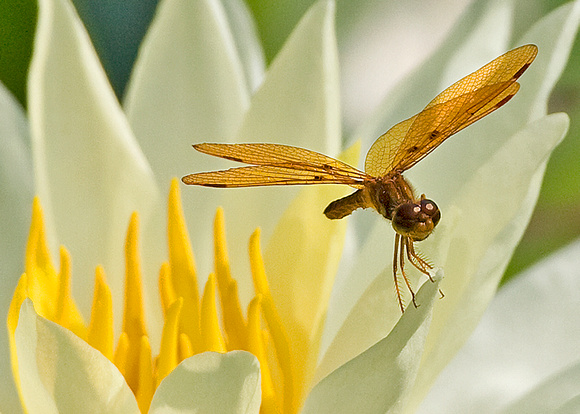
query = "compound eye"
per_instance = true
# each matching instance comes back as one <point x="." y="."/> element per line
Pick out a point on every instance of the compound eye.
<point x="429" y="208"/>
<point x="405" y="217"/>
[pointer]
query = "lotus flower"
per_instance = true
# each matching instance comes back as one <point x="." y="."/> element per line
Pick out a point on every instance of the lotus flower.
<point x="200" y="77"/>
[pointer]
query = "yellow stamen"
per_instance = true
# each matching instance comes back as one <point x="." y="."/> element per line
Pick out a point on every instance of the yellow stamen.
<point x="63" y="287"/>
<point x="42" y="278"/>
<point x="166" y="288"/>
<point x="256" y="347"/>
<point x="101" y="334"/>
<point x="168" y="356"/>
<point x="279" y="336"/>
<point x="192" y="325"/>
<point x="134" y="316"/>
<point x="37" y="254"/>
<point x="121" y="353"/>
<point x="67" y="313"/>
<point x="146" y="386"/>
<point x="182" y="267"/>
<point x="213" y="339"/>
<point x="185" y="348"/>
<point x="233" y="318"/>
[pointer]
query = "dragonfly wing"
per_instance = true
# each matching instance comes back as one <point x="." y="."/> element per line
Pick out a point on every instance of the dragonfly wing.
<point x="268" y="175"/>
<point x="458" y="106"/>
<point x="273" y="154"/>
<point x="505" y="68"/>
<point x="380" y="157"/>
<point x="434" y="125"/>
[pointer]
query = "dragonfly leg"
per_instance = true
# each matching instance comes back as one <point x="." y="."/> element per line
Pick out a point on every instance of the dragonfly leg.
<point x="421" y="264"/>
<point x="416" y="260"/>
<point x="395" y="260"/>
<point x="404" y="247"/>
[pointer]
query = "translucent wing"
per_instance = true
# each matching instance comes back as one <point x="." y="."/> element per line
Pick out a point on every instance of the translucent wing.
<point x="457" y="107"/>
<point x="264" y="175"/>
<point x="421" y="134"/>
<point x="274" y="164"/>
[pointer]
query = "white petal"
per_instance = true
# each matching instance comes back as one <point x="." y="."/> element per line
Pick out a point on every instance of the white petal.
<point x="301" y="85"/>
<point x="188" y="85"/>
<point x="558" y="394"/>
<point x="499" y="214"/>
<point x="211" y="383"/>
<point x="301" y="260"/>
<point x="245" y="34"/>
<point x="296" y="105"/>
<point x="525" y="347"/>
<point x="16" y="181"/>
<point x="379" y="379"/>
<point x="16" y="191"/>
<point x="90" y="173"/>
<point x="504" y="191"/>
<point x="61" y="373"/>
<point x="468" y="46"/>
<point x="372" y="234"/>
<point x="486" y="192"/>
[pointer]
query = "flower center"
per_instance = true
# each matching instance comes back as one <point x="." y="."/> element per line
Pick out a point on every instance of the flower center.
<point x="192" y="324"/>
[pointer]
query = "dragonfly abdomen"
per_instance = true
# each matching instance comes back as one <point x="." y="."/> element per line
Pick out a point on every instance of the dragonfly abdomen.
<point x="344" y="206"/>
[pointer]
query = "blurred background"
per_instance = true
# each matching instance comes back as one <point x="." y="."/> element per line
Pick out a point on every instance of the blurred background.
<point x="375" y="51"/>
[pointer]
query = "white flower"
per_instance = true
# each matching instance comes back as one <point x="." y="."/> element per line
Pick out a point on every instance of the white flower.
<point x="95" y="163"/>
<point x="524" y="349"/>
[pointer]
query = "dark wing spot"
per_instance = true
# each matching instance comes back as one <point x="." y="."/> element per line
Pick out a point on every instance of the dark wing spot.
<point x="504" y="101"/>
<point x="317" y="178"/>
<point x="233" y="159"/>
<point x="412" y="149"/>
<point x="522" y="70"/>
<point x="434" y="134"/>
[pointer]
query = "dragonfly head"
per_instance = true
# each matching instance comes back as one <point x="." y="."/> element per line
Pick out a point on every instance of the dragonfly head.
<point x="416" y="220"/>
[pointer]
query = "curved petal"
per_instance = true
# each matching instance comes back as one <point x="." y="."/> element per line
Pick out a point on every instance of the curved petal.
<point x="480" y="35"/>
<point x="379" y="379"/>
<point x="301" y="85"/>
<point x="457" y="247"/>
<point x="301" y="261"/>
<point x="558" y="394"/>
<point x="211" y="383"/>
<point x="90" y="173"/>
<point x="372" y="235"/>
<point x="479" y="231"/>
<point x="61" y="373"/>
<point x="16" y="192"/>
<point x="16" y="184"/>
<point x="298" y="105"/>
<point x="246" y="38"/>
<point x="525" y="345"/>
<point x="190" y="84"/>
<point x="513" y="182"/>
<point x="371" y="319"/>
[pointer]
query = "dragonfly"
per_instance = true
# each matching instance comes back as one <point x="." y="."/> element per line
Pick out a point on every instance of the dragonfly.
<point x="381" y="186"/>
